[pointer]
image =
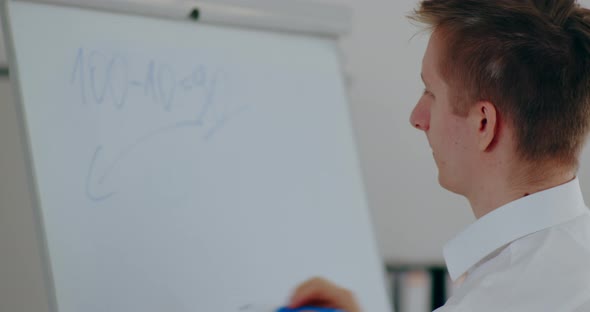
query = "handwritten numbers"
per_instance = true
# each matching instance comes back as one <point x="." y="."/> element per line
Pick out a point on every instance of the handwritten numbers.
<point x="187" y="99"/>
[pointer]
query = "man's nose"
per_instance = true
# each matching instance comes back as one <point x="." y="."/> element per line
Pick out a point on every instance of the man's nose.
<point x="420" y="117"/>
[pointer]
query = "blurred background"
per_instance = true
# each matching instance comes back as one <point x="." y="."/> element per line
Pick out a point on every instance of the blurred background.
<point x="413" y="217"/>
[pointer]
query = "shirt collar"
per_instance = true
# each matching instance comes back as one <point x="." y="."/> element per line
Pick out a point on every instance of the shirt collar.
<point x="510" y="222"/>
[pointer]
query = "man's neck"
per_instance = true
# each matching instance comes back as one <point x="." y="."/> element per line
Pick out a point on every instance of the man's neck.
<point x="511" y="185"/>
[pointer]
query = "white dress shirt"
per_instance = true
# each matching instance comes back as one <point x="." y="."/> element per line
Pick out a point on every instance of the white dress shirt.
<point x="532" y="254"/>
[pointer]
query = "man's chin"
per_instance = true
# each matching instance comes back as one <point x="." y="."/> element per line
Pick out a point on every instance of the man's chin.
<point x="444" y="183"/>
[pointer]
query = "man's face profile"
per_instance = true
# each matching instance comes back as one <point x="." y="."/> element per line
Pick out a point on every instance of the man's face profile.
<point x="449" y="135"/>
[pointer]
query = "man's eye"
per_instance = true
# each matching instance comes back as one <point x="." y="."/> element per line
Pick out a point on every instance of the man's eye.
<point x="426" y="92"/>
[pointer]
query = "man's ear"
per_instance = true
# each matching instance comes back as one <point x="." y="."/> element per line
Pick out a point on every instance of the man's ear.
<point x="485" y="117"/>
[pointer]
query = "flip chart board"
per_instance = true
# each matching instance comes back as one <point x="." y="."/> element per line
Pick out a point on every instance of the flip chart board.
<point x="179" y="166"/>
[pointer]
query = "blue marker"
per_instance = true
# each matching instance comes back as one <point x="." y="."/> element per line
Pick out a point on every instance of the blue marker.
<point x="308" y="309"/>
<point x="260" y="308"/>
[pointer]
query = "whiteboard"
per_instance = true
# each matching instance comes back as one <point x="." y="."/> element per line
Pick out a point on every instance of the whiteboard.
<point x="185" y="167"/>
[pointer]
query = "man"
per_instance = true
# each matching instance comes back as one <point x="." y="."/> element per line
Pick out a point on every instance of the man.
<point x="506" y="110"/>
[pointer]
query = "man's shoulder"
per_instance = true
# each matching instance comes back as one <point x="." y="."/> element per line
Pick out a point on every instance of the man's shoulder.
<point x="568" y="238"/>
<point x="559" y="255"/>
<point x="545" y="270"/>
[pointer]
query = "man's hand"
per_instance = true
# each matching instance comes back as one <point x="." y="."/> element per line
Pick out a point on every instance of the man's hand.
<point x="323" y="293"/>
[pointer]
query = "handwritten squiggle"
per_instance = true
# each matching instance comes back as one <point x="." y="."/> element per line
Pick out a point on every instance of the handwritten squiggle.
<point x="125" y="152"/>
<point x="161" y="86"/>
<point x="89" y="177"/>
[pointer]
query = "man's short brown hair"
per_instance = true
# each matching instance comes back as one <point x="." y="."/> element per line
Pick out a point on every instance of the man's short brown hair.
<point x="531" y="58"/>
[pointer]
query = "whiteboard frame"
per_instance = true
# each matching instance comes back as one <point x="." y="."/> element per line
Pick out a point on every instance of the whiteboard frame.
<point x="297" y="16"/>
<point x="292" y="16"/>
